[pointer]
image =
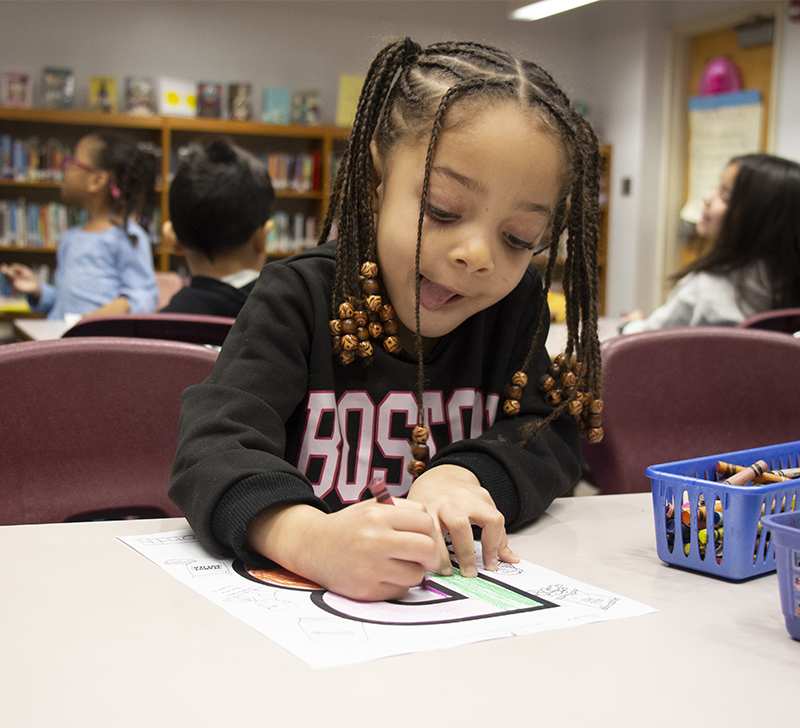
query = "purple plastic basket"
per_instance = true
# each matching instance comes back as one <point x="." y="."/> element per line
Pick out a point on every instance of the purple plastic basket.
<point x="785" y="529"/>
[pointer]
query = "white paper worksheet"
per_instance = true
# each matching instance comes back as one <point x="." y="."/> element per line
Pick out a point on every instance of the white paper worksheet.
<point x="325" y="629"/>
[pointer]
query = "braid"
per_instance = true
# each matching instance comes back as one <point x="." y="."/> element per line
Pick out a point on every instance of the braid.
<point x="132" y="173"/>
<point x="351" y="200"/>
<point x="407" y="95"/>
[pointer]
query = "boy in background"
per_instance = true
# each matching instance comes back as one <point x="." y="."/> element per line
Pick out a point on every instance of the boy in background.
<point x="220" y="204"/>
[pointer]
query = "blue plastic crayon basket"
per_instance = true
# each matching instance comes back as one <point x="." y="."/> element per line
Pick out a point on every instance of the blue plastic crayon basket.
<point x="714" y="528"/>
<point x="785" y="530"/>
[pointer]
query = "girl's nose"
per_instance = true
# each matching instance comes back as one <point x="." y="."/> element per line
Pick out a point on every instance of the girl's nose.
<point x="474" y="252"/>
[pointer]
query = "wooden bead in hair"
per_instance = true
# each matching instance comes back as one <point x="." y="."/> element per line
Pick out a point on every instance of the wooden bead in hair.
<point x="419" y="450"/>
<point x="595" y="435"/>
<point x="370" y="319"/>
<point x="513" y="393"/>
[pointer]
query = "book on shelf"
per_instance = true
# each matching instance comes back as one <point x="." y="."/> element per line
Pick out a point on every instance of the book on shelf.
<point x="277" y="106"/>
<point x="177" y="97"/>
<point x="209" y="100"/>
<point x="103" y="94"/>
<point x="140" y="95"/>
<point x="31" y="159"/>
<point x="306" y="107"/>
<point x="347" y="101"/>
<point x="293" y="172"/>
<point x="28" y="224"/>
<point x="291" y="233"/>
<point x="240" y="101"/>
<point x="58" y="88"/>
<point x="16" y="90"/>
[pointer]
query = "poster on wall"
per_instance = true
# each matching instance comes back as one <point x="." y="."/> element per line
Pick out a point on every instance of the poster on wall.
<point x="720" y="127"/>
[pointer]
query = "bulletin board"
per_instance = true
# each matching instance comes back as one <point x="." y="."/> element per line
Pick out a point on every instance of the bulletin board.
<point x="720" y="127"/>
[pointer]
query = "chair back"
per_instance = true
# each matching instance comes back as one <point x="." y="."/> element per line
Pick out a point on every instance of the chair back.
<point x="784" y="320"/>
<point x="191" y="328"/>
<point x="690" y="392"/>
<point x="90" y="426"/>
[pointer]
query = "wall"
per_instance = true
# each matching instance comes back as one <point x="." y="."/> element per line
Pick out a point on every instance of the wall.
<point x="294" y="43"/>
<point x="611" y="54"/>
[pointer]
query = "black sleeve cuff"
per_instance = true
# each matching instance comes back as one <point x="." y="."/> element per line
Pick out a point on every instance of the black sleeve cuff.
<point x="493" y="478"/>
<point x="240" y="505"/>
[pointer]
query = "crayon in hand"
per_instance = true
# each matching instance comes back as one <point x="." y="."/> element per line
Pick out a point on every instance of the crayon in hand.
<point x="377" y="486"/>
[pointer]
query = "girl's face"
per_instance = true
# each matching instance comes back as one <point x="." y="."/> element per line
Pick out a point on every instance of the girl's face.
<point x="494" y="183"/>
<point x="78" y="180"/>
<point x="715" y="205"/>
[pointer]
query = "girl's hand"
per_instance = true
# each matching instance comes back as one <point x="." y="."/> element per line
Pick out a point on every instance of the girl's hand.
<point x="457" y="501"/>
<point x="626" y="318"/>
<point x="22" y="278"/>
<point x="368" y="551"/>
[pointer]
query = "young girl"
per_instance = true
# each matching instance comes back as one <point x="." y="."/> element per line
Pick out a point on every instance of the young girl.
<point x="753" y="218"/>
<point x="403" y="350"/>
<point x="106" y="265"/>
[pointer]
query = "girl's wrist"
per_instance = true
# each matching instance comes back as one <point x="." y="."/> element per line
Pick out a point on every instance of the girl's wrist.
<point x="281" y="533"/>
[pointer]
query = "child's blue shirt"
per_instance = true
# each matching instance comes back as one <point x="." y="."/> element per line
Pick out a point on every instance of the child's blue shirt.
<point x="94" y="268"/>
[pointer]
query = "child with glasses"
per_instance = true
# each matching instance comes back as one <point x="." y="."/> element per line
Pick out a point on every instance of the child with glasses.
<point x="104" y="266"/>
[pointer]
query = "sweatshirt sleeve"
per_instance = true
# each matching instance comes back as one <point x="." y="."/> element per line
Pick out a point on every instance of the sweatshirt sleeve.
<point x="46" y="300"/>
<point x="229" y="462"/>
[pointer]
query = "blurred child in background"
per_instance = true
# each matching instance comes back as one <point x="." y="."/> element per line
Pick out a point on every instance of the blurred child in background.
<point x="753" y="219"/>
<point x="220" y="204"/>
<point x="105" y="266"/>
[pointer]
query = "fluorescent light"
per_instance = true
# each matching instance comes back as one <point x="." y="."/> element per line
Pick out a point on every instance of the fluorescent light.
<point x="545" y="8"/>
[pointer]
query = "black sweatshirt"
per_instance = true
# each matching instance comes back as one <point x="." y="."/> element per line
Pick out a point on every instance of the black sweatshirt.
<point x="281" y="420"/>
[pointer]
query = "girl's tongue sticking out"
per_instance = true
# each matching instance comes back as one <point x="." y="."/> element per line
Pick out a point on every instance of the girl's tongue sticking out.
<point x="433" y="296"/>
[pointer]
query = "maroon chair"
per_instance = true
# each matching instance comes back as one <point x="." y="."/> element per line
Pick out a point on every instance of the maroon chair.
<point x="191" y="328"/>
<point x="784" y="320"/>
<point x="90" y="426"/>
<point x="691" y="392"/>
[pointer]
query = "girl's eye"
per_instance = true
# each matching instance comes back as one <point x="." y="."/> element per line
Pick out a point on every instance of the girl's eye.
<point x="440" y="215"/>
<point x="515" y="242"/>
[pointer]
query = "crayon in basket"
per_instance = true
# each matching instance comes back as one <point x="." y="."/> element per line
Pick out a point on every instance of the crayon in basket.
<point x="748" y="474"/>
<point x="759" y="470"/>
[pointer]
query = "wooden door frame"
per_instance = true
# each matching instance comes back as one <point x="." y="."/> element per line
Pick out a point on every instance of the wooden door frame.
<point x="675" y="100"/>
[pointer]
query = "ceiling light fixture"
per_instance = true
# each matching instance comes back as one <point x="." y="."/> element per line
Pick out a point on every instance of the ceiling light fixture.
<point x="546" y="8"/>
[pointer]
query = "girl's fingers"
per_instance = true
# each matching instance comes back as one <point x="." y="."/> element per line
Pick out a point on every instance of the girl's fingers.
<point x="493" y="539"/>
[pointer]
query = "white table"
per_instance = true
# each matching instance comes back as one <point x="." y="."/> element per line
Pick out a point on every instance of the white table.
<point x="557" y="336"/>
<point x="36" y="329"/>
<point x="93" y="634"/>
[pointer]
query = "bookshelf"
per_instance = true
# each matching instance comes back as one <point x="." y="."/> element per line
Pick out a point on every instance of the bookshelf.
<point x="602" y="225"/>
<point x="169" y="134"/>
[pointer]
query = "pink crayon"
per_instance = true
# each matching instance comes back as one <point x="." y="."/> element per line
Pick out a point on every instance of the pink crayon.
<point x="377" y="486"/>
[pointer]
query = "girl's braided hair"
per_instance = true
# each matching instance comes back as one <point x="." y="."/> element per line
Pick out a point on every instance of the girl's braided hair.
<point x="410" y="94"/>
<point x="132" y="168"/>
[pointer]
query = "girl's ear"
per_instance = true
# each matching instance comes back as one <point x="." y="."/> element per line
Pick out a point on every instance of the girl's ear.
<point x="97" y="180"/>
<point x="377" y="176"/>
